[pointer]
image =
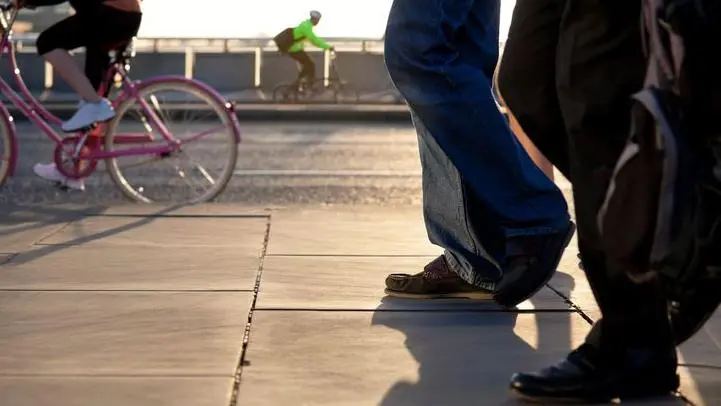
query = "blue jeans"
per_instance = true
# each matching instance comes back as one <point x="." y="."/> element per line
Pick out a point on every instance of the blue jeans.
<point x="480" y="187"/>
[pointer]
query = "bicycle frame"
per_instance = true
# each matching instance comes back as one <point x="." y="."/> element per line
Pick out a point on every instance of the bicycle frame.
<point x="333" y="76"/>
<point x="333" y="70"/>
<point x="43" y="119"/>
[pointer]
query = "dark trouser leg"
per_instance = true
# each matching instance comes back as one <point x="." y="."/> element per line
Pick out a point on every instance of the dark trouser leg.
<point x="600" y="64"/>
<point x="307" y="71"/>
<point x="567" y="73"/>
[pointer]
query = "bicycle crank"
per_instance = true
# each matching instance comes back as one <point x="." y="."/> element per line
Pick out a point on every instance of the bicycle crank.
<point x="73" y="156"/>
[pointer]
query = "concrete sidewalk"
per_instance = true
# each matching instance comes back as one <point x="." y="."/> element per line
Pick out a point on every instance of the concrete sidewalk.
<point x="384" y="113"/>
<point x="227" y="305"/>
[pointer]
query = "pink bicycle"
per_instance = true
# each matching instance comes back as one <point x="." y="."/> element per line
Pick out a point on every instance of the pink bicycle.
<point x="141" y="131"/>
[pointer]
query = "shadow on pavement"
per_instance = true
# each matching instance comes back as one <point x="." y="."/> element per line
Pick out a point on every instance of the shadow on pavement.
<point x="28" y="218"/>
<point x="36" y="251"/>
<point x="466" y="358"/>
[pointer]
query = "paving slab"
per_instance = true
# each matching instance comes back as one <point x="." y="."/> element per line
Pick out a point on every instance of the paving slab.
<point x="246" y="235"/>
<point x="5" y="258"/>
<point x="571" y="282"/>
<point x="20" y="227"/>
<point x="350" y="232"/>
<point x="206" y="209"/>
<point x="701" y="386"/>
<point x="129" y="334"/>
<point x="19" y="237"/>
<point x="137" y="268"/>
<point x="357" y="283"/>
<point x="115" y="391"/>
<point x="704" y="349"/>
<point x="398" y="358"/>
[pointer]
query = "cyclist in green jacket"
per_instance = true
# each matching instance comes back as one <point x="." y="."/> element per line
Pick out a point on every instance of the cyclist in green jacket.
<point x="302" y="33"/>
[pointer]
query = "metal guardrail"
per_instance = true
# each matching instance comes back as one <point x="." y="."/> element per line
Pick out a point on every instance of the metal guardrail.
<point x="191" y="46"/>
<point x="169" y="44"/>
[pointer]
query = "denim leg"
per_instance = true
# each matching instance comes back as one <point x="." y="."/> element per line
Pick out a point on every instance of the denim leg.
<point x="447" y="218"/>
<point x="480" y="186"/>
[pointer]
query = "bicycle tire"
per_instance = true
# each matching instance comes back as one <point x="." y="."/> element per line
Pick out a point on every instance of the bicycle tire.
<point x="285" y="94"/>
<point x="174" y="85"/>
<point x="344" y="93"/>
<point x="8" y="147"/>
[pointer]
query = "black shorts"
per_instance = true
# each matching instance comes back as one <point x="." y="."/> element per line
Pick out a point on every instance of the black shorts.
<point x="96" y="27"/>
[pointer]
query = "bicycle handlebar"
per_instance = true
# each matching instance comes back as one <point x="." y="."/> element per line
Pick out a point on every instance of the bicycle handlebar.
<point x="9" y="5"/>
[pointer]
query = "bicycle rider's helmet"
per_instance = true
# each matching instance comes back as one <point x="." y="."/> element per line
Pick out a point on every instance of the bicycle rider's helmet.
<point x="315" y="15"/>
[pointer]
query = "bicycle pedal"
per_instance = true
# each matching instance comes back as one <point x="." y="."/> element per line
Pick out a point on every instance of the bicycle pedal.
<point x="62" y="187"/>
<point x="85" y="130"/>
<point x="65" y="188"/>
<point x="89" y="128"/>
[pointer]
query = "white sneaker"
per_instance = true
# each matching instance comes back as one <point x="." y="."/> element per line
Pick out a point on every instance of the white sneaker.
<point x="50" y="172"/>
<point x="89" y="113"/>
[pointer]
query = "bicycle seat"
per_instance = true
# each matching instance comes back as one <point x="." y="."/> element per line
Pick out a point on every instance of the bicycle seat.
<point x="122" y="51"/>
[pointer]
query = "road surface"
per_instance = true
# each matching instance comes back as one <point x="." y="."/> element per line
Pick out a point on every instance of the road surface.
<point x="279" y="163"/>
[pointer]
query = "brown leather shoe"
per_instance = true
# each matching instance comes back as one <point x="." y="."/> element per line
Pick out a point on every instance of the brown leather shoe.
<point x="436" y="281"/>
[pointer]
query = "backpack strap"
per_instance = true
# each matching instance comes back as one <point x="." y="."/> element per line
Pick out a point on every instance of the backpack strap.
<point x="664" y="46"/>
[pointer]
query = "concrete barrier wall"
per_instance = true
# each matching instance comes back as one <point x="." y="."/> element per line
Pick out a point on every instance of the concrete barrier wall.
<point x="32" y="68"/>
<point x="366" y="71"/>
<point x="146" y="65"/>
<point x="276" y="69"/>
<point x="225" y="71"/>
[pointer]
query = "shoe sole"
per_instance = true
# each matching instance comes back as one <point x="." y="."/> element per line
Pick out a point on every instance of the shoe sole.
<point x="547" y="400"/>
<point x="487" y="296"/>
<point x="631" y="395"/>
<point x="516" y="297"/>
<point x="556" y="401"/>
<point x="65" y="188"/>
<point x="85" y="129"/>
<point x="60" y="184"/>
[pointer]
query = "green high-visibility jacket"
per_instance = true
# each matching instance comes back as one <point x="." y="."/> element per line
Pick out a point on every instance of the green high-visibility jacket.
<point x="304" y="32"/>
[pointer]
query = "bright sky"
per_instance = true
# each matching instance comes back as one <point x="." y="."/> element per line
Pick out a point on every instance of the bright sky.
<point x="265" y="18"/>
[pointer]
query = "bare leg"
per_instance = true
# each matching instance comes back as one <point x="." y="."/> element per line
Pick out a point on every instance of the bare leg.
<point x="541" y="161"/>
<point x="531" y="149"/>
<point x="66" y="67"/>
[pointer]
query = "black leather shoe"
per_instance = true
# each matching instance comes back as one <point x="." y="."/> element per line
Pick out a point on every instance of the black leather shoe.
<point x="530" y="264"/>
<point x="585" y="376"/>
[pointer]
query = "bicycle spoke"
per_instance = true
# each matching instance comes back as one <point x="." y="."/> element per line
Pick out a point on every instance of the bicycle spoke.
<point x="194" y="170"/>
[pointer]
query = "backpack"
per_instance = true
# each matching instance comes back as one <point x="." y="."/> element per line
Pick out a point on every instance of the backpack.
<point x="661" y="216"/>
<point x="284" y="40"/>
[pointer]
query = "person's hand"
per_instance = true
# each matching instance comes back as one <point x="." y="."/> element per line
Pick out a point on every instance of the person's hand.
<point x="19" y="4"/>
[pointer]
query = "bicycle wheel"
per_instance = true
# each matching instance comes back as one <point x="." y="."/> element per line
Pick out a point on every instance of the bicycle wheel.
<point x="344" y="93"/>
<point x="8" y="148"/>
<point x="285" y="94"/>
<point x="169" y="181"/>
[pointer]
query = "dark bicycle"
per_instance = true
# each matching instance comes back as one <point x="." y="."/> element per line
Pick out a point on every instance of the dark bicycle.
<point x="332" y="88"/>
